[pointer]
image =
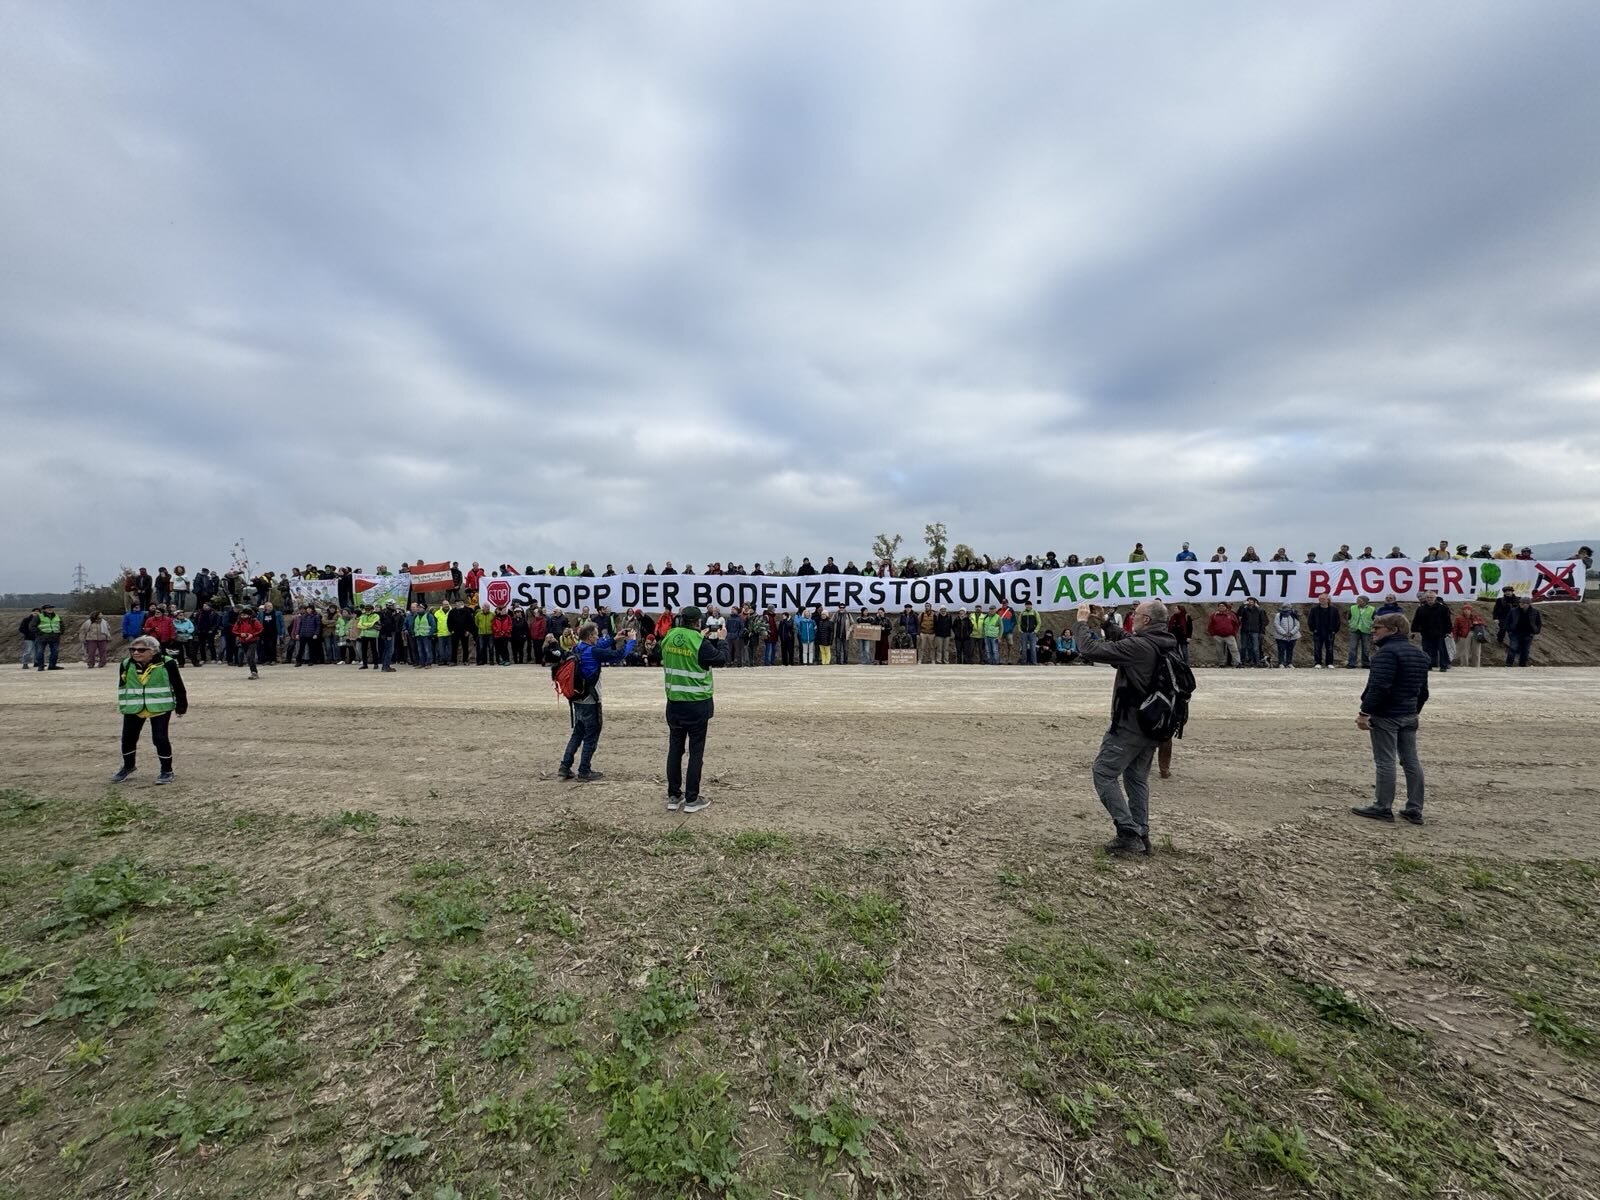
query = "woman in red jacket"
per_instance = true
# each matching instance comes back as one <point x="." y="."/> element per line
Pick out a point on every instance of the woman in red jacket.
<point x="500" y="630"/>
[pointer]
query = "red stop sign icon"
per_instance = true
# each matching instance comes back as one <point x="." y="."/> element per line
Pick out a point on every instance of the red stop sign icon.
<point x="499" y="593"/>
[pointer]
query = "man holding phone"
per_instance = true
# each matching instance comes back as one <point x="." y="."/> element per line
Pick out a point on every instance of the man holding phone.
<point x="687" y="657"/>
<point x="1126" y="750"/>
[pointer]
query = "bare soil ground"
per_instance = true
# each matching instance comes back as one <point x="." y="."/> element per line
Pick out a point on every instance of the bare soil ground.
<point x="893" y="916"/>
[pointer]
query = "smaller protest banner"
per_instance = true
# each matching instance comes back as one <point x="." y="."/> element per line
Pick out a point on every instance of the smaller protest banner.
<point x="314" y="591"/>
<point x="374" y="591"/>
<point x="902" y="658"/>
<point x="431" y="577"/>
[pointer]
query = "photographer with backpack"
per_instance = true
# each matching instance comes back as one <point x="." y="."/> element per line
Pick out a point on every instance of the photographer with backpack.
<point x="1149" y="706"/>
<point x="577" y="681"/>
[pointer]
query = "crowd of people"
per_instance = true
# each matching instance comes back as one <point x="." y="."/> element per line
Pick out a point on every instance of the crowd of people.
<point x="212" y="617"/>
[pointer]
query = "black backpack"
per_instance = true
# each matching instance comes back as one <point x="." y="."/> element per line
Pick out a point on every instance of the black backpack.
<point x="1164" y="710"/>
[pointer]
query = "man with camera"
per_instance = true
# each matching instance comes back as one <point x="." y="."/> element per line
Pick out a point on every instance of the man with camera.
<point x="1126" y="750"/>
<point x="687" y="657"/>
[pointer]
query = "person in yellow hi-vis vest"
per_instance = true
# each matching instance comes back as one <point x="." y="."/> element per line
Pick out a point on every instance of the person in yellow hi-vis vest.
<point x="687" y="657"/>
<point x="149" y="688"/>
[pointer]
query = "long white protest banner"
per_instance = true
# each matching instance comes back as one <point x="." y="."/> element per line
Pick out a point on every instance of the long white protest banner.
<point x="1110" y="584"/>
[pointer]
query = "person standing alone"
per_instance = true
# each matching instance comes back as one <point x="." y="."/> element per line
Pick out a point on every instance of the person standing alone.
<point x="589" y="655"/>
<point x="687" y="657"/>
<point x="1391" y="705"/>
<point x="149" y="688"/>
<point x="1126" y="750"/>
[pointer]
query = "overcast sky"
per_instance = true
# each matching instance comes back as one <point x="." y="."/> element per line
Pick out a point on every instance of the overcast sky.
<point x="629" y="282"/>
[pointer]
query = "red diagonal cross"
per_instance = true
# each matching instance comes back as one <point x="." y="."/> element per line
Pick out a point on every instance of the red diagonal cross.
<point x="1562" y="582"/>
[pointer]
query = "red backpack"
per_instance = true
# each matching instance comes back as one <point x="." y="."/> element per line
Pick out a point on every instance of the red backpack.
<point x="567" y="679"/>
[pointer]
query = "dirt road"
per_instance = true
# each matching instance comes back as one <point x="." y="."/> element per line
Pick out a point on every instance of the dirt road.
<point x="864" y="754"/>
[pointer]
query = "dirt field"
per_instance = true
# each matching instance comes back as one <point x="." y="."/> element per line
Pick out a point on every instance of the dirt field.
<point x="963" y="796"/>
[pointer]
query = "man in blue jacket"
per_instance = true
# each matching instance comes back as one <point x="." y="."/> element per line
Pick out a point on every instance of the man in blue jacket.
<point x="132" y="623"/>
<point x="1396" y="691"/>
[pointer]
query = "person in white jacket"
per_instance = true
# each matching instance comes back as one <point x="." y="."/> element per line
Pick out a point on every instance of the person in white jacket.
<point x="1286" y="629"/>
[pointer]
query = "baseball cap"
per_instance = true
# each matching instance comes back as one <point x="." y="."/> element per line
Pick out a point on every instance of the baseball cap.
<point x="690" y="614"/>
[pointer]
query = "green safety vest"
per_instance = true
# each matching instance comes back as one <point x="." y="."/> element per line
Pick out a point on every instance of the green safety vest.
<point x="368" y="623"/>
<point x="49" y="626"/>
<point x="680" y="661"/>
<point x="422" y="625"/>
<point x="1361" y="618"/>
<point x="153" y="694"/>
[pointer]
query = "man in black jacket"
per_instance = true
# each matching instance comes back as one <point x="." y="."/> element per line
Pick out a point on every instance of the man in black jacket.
<point x="1432" y="624"/>
<point x="1523" y="625"/>
<point x="1324" y="622"/>
<point x="1126" y="750"/>
<point x="1396" y="690"/>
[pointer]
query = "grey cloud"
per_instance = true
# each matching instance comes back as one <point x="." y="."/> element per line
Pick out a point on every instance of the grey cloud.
<point x="720" y="281"/>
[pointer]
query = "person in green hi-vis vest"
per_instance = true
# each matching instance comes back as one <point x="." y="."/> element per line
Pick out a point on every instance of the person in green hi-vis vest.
<point x="687" y="657"/>
<point x="149" y="688"/>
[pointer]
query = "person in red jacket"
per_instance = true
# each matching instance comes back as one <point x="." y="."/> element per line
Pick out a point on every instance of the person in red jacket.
<point x="247" y="633"/>
<point x="664" y="623"/>
<point x="1224" y="626"/>
<point x="162" y="627"/>
<point x="500" y="630"/>
<point x="473" y="578"/>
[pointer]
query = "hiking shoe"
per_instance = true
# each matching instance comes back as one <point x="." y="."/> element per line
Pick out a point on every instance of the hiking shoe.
<point x="563" y="773"/>
<point x="122" y="775"/>
<point x="674" y="803"/>
<point x="586" y="776"/>
<point x="1373" y="811"/>
<point x="1145" y="838"/>
<point x="166" y="777"/>
<point x="697" y="804"/>
<point x="1125" y="844"/>
<point x="1411" y="816"/>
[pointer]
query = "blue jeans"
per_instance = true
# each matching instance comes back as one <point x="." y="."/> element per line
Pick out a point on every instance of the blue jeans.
<point x="769" y="654"/>
<point x="991" y="651"/>
<point x="50" y="644"/>
<point x="1285" y="653"/>
<point x="864" y="653"/>
<point x="421" y="651"/>
<point x="441" y="649"/>
<point x="586" y="722"/>
<point x="1361" y="642"/>
<point x="1250" y="648"/>
<point x="1030" y="648"/>
<point x="386" y="651"/>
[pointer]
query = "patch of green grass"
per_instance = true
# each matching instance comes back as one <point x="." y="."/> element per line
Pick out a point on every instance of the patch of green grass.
<point x="835" y="1132"/>
<point x="1402" y="863"/>
<point x="358" y="819"/>
<point x="186" y="1119"/>
<point x="511" y="1004"/>
<point x="1335" y="1005"/>
<point x="256" y="1006"/>
<point x="1141" y="1128"/>
<point x="544" y="1124"/>
<point x="757" y="841"/>
<point x="1283" y="1150"/>
<point x="871" y="918"/>
<point x="90" y="1052"/>
<point x="540" y="910"/>
<point x="445" y="868"/>
<point x="19" y="808"/>
<point x="240" y="940"/>
<point x="674" y="1134"/>
<point x="662" y="1009"/>
<point x="108" y="992"/>
<point x="116" y="812"/>
<point x="1080" y="1113"/>
<point x="122" y="885"/>
<point x="451" y="909"/>
<point x="1555" y="1027"/>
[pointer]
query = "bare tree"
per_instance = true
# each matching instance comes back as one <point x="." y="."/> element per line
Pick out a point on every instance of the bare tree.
<point x="884" y="546"/>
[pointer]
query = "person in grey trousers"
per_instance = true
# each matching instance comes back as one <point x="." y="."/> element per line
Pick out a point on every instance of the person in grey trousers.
<point x="1391" y="706"/>
<point x="1126" y="751"/>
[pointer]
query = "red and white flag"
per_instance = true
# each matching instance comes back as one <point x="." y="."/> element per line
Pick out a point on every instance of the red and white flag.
<point x="431" y="577"/>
